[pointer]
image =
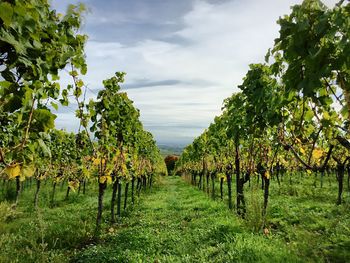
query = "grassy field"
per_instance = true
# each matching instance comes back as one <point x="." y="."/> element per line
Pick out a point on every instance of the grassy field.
<point x="302" y="215"/>
<point x="175" y="222"/>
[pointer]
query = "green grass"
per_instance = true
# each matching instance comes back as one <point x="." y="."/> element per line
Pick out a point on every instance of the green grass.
<point x="175" y="222"/>
<point x="308" y="218"/>
<point x="46" y="234"/>
<point x="178" y="223"/>
<point x="302" y="215"/>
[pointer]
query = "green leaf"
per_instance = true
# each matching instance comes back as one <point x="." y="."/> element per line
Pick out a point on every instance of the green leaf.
<point x="9" y="38"/>
<point x="83" y="69"/>
<point x="6" y="12"/>
<point x="308" y="115"/>
<point x="73" y="73"/>
<point x="54" y="105"/>
<point x="80" y="83"/>
<point x="345" y="112"/>
<point x="46" y="151"/>
<point x="5" y="84"/>
<point x="43" y="120"/>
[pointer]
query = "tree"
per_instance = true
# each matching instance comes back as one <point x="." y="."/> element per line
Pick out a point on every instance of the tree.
<point x="35" y="44"/>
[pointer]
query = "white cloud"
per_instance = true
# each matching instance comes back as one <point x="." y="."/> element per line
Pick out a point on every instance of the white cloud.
<point x="223" y="39"/>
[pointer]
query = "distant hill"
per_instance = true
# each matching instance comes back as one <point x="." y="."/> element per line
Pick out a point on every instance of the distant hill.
<point x="166" y="150"/>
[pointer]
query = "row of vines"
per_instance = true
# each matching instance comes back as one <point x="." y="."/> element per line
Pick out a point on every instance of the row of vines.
<point x="290" y="116"/>
<point x="111" y="146"/>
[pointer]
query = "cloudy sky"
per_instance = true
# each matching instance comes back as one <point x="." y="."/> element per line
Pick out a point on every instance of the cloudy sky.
<point x="182" y="57"/>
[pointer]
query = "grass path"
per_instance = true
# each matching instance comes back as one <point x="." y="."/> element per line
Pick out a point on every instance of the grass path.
<point x="177" y="223"/>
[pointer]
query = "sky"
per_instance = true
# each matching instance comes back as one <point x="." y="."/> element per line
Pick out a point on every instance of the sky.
<point x="182" y="57"/>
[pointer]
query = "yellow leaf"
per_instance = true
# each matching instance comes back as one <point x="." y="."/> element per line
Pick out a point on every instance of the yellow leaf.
<point x="326" y="115"/>
<point x="317" y="154"/>
<point x="308" y="172"/>
<point x="96" y="161"/>
<point x="302" y="150"/>
<point x="28" y="170"/>
<point x="124" y="169"/>
<point x="221" y="175"/>
<point x="105" y="178"/>
<point x="13" y="170"/>
<point x="102" y="179"/>
<point x="86" y="172"/>
<point x="267" y="175"/>
<point x="70" y="184"/>
<point x="108" y="172"/>
<point x="109" y="179"/>
<point x="73" y="185"/>
<point x="42" y="176"/>
<point x="57" y="179"/>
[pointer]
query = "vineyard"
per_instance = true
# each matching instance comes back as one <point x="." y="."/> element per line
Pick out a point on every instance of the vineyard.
<point x="267" y="181"/>
<point x="290" y="120"/>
